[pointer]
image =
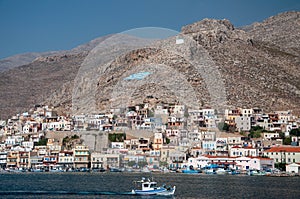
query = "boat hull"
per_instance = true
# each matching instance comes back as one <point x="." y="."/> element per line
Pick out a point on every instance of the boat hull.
<point x="149" y="192"/>
<point x="159" y="191"/>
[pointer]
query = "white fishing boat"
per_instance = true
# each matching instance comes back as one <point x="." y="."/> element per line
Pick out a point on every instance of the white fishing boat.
<point x="149" y="187"/>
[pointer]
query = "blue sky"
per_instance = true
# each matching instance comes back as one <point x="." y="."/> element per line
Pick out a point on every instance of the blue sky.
<point x="45" y="25"/>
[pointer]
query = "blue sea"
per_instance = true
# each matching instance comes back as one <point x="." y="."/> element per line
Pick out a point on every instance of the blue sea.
<point x="119" y="185"/>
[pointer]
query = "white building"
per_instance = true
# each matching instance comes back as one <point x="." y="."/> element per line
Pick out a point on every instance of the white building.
<point x="10" y="140"/>
<point x="209" y="145"/>
<point x="117" y="145"/>
<point x="28" y="144"/>
<point x="247" y="112"/>
<point x="99" y="160"/>
<point x="284" y="154"/>
<point x="293" y="168"/>
<point x="243" y="151"/>
<point x="243" y="123"/>
<point x="270" y="136"/>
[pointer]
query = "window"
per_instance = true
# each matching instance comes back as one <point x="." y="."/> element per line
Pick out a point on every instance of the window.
<point x="294" y="160"/>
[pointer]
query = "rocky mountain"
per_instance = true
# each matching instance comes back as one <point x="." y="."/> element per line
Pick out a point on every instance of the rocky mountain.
<point x="256" y="73"/>
<point x="23" y="87"/>
<point x="282" y="31"/>
<point x="27" y="58"/>
<point x="21" y="59"/>
<point x="210" y="63"/>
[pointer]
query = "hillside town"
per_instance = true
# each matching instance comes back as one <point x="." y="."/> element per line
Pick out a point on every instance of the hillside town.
<point x="145" y="137"/>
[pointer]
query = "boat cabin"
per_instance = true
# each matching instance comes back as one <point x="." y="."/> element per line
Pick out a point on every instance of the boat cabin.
<point x="147" y="185"/>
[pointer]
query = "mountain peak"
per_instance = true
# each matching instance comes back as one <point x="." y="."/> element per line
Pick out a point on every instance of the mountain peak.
<point x="208" y="25"/>
<point x="211" y="32"/>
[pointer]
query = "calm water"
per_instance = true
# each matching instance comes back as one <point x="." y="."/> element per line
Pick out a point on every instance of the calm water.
<point x="117" y="185"/>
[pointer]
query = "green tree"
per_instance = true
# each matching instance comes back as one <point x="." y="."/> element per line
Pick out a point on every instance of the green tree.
<point x="280" y="165"/>
<point x="150" y="113"/>
<point x="295" y="132"/>
<point x="142" y="164"/>
<point x="116" y="137"/>
<point x="112" y="137"/>
<point x="222" y="126"/>
<point x="287" y="141"/>
<point x="255" y="132"/>
<point x="41" y="142"/>
<point x="167" y="140"/>
<point x="186" y="113"/>
<point x="131" y="163"/>
<point x="163" y="164"/>
<point x="256" y="128"/>
<point x="75" y="136"/>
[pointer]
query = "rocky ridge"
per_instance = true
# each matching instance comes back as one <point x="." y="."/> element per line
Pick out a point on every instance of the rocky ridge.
<point x="257" y="69"/>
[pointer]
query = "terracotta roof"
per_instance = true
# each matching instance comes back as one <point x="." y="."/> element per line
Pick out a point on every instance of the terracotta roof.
<point x="261" y="158"/>
<point x="196" y="148"/>
<point x="248" y="147"/>
<point x="212" y="156"/>
<point x="284" y="149"/>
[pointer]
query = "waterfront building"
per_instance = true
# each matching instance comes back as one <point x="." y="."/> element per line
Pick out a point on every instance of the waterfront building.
<point x="254" y="163"/>
<point x="81" y="156"/>
<point x="36" y="161"/>
<point x="284" y="154"/>
<point x="236" y="163"/>
<point x="49" y="162"/>
<point x="24" y="158"/>
<point x="99" y="160"/>
<point x="66" y="159"/>
<point x="13" y="159"/>
<point x="166" y="150"/>
<point x="293" y="168"/>
<point x="3" y="159"/>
